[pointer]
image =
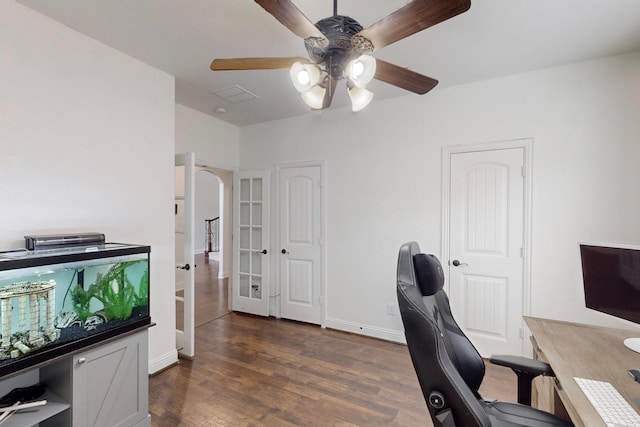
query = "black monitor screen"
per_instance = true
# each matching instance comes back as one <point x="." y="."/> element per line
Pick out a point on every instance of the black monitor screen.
<point x="611" y="278"/>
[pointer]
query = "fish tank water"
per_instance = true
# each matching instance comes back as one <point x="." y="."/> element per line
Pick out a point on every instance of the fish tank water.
<point x="56" y="301"/>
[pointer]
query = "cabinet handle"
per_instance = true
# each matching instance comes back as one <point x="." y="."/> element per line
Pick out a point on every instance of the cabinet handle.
<point x="82" y="360"/>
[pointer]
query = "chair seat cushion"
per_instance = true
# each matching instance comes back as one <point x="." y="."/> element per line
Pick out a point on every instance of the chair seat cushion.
<point x="503" y="414"/>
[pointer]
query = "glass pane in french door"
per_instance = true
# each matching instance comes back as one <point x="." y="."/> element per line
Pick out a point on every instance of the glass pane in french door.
<point x="251" y="244"/>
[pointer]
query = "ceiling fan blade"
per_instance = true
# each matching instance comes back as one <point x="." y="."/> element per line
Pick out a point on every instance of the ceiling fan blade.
<point x="403" y="77"/>
<point x="255" y="63"/>
<point x="331" y="89"/>
<point x="415" y="16"/>
<point x="292" y="18"/>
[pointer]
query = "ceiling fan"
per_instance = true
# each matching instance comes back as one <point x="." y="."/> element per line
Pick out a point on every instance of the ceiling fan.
<point x="339" y="48"/>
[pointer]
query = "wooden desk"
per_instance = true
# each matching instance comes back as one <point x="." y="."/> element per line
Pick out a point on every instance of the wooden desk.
<point x="576" y="350"/>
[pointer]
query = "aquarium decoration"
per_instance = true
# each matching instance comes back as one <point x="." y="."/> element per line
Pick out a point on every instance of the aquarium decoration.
<point x="23" y="341"/>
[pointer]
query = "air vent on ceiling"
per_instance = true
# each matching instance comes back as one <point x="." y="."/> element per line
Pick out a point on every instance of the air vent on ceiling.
<point x="234" y="94"/>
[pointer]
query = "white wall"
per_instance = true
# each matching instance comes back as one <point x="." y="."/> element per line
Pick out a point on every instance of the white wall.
<point x="216" y="143"/>
<point x="86" y="144"/>
<point x="384" y="178"/>
<point x="211" y="139"/>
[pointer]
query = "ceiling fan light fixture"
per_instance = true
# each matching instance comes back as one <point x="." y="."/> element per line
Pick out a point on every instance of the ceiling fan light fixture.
<point x="314" y="97"/>
<point x="338" y="48"/>
<point x="304" y="76"/>
<point x="361" y="70"/>
<point x="360" y="97"/>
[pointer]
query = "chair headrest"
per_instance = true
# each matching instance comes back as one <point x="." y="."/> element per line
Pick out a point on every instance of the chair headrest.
<point x="429" y="274"/>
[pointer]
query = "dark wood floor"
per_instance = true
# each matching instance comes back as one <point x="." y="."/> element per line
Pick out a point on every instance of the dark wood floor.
<point x="253" y="371"/>
<point x="211" y="293"/>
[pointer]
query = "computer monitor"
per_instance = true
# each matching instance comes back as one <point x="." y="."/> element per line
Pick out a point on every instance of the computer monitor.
<point x="611" y="276"/>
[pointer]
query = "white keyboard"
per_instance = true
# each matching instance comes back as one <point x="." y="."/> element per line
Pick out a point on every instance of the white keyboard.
<point x="614" y="410"/>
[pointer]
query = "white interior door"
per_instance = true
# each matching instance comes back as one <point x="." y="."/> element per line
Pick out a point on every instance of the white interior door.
<point x="250" y="287"/>
<point x="300" y="243"/>
<point x="184" y="228"/>
<point x="486" y="247"/>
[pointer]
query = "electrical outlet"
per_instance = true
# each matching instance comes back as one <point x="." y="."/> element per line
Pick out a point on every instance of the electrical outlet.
<point x="391" y="310"/>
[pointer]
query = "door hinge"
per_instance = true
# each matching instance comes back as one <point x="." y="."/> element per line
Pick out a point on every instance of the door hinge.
<point x="521" y="333"/>
<point x="521" y="252"/>
<point x="524" y="171"/>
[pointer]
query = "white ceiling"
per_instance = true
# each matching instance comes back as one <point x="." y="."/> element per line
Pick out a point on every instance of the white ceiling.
<point x="494" y="38"/>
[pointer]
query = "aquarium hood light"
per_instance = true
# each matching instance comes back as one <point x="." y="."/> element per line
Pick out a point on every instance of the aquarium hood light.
<point x="62" y="240"/>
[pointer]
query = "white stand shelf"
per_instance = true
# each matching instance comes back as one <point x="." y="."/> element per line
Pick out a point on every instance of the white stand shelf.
<point x="34" y="416"/>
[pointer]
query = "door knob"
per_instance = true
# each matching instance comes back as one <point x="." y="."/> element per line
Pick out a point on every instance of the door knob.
<point x="284" y="251"/>
<point x="457" y="263"/>
<point x="184" y="267"/>
<point x="263" y="252"/>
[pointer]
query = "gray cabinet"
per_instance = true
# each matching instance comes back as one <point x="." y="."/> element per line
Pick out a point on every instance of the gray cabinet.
<point x="104" y="386"/>
<point x="111" y="384"/>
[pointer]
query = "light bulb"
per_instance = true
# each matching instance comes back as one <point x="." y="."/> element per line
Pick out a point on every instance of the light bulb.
<point x="358" y="69"/>
<point x="361" y="70"/>
<point x="304" y="76"/>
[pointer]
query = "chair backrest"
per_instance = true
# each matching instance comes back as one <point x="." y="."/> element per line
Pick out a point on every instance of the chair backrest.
<point x="440" y="356"/>
<point x="465" y="357"/>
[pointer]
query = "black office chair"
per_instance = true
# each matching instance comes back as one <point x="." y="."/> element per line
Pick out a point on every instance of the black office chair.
<point x="448" y="366"/>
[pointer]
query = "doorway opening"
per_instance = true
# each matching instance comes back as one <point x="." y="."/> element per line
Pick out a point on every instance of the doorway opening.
<point x="211" y="245"/>
<point x="211" y="282"/>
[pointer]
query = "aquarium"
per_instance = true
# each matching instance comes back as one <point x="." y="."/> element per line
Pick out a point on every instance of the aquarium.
<point x="56" y="301"/>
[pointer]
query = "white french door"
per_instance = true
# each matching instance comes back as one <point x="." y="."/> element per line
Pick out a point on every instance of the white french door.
<point x="250" y="285"/>
<point x="185" y="260"/>
<point x="486" y="247"/>
<point x="300" y="226"/>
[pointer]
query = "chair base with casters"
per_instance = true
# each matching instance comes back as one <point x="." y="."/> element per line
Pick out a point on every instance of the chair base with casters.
<point x="448" y="367"/>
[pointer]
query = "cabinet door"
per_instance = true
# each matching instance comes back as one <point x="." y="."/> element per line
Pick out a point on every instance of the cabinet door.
<point x="111" y="384"/>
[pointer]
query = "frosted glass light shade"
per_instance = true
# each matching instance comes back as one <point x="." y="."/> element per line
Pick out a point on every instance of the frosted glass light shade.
<point x="360" y="98"/>
<point x="304" y="76"/>
<point x="361" y="70"/>
<point x="314" y="97"/>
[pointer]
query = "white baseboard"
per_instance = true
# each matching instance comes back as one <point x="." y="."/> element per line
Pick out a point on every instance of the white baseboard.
<point x="163" y="362"/>
<point x="370" y="331"/>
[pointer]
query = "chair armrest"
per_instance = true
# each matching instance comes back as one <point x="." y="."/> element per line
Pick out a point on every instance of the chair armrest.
<point x="526" y="370"/>
<point x="522" y="364"/>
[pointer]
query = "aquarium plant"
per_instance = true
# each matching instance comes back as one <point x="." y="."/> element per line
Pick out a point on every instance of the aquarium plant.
<point x="81" y="300"/>
<point x="115" y="291"/>
<point x="142" y="297"/>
